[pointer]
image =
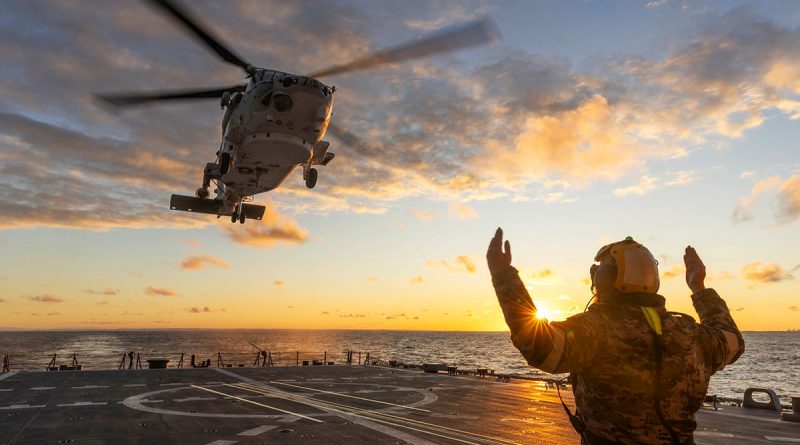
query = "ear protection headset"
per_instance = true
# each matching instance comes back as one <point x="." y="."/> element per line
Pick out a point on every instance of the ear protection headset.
<point x="636" y="268"/>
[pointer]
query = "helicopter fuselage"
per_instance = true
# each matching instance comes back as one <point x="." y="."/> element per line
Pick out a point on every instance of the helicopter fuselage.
<point x="273" y="127"/>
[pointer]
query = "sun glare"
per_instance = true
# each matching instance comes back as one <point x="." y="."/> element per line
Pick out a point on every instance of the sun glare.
<point x="543" y="313"/>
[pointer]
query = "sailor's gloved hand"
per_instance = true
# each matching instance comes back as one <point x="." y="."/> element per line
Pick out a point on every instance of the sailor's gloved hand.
<point x="695" y="270"/>
<point x="495" y="257"/>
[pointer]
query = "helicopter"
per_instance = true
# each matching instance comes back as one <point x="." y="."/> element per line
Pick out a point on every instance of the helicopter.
<point x="276" y="121"/>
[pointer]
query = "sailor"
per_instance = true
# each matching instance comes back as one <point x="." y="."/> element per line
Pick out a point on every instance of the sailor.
<point x="639" y="372"/>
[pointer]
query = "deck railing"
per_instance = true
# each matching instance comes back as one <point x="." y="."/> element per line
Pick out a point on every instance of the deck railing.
<point x="221" y="359"/>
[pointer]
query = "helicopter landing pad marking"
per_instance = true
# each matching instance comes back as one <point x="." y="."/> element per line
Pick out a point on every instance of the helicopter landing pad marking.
<point x="256" y="403"/>
<point x="257" y="430"/>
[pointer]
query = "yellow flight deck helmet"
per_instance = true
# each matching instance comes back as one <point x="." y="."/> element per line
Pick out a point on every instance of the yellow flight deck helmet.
<point x="637" y="269"/>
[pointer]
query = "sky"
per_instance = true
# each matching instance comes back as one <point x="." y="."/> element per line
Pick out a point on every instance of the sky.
<point x="674" y="122"/>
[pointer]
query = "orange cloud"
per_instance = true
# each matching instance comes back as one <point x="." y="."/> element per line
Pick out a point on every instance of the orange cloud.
<point x="419" y="279"/>
<point x="274" y="228"/>
<point x="673" y="272"/>
<point x="742" y="210"/>
<point x="462" y="263"/>
<point x="150" y="290"/>
<point x="544" y="273"/>
<point x="584" y="143"/>
<point x="461" y="211"/>
<point x="765" y="272"/>
<point x="200" y="310"/>
<point x="200" y="261"/>
<point x="789" y="200"/>
<point x="46" y="298"/>
<point x="107" y="291"/>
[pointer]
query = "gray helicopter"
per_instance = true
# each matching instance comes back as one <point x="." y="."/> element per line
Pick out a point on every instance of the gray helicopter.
<point x="276" y="121"/>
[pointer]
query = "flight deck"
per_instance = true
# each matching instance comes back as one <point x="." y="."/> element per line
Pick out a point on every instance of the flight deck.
<point x="313" y="405"/>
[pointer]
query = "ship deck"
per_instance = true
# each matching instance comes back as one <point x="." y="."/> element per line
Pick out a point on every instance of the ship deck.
<point x="311" y="405"/>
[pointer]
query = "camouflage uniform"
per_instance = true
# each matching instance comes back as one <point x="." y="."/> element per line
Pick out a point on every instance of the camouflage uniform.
<point x="612" y="354"/>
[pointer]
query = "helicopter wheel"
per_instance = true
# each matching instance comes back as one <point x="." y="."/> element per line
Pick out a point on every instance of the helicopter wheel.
<point x="234" y="216"/>
<point x="311" y="179"/>
<point x="242" y="217"/>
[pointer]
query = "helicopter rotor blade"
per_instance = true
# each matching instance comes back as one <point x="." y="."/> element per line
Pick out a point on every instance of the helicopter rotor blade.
<point x="348" y="138"/>
<point x="464" y="36"/>
<point x="192" y="24"/>
<point x="121" y="100"/>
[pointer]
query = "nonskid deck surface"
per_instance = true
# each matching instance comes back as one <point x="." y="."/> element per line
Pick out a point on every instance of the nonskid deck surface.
<point x="330" y="404"/>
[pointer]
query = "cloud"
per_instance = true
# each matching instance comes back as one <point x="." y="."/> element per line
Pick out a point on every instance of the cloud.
<point x="462" y="263"/>
<point x="107" y="291"/>
<point x="461" y="211"/>
<point x="352" y="316"/>
<point x="401" y="316"/>
<point x="278" y="284"/>
<point x="274" y="228"/>
<point x="648" y="183"/>
<point x="372" y="279"/>
<point x="193" y="243"/>
<point x="720" y="276"/>
<point x="419" y="279"/>
<point x="674" y="271"/>
<point x="742" y="211"/>
<point x="794" y="308"/>
<point x="194" y="262"/>
<point x="150" y="290"/>
<point x="423" y="215"/>
<point x="585" y="142"/>
<point x="542" y="274"/>
<point x="2" y="301"/>
<point x="747" y="174"/>
<point x="201" y="310"/>
<point x="102" y="302"/>
<point x="46" y="298"/>
<point x="765" y="272"/>
<point x="789" y="200"/>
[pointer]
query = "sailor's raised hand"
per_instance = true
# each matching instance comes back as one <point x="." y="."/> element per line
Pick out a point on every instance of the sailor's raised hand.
<point x="695" y="270"/>
<point x="496" y="258"/>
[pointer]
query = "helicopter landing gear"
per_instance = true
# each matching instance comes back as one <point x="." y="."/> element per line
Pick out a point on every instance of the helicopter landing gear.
<point x="201" y="192"/>
<point x="311" y="178"/>
<point x="238" y="214"/>
<point x="224" y="163"/>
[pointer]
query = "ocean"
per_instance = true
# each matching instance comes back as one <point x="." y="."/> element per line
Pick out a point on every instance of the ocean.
<point x="770" y="361"/>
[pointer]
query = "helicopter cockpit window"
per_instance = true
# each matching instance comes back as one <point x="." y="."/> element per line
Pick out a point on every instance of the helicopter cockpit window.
<point x="282" y="102"/>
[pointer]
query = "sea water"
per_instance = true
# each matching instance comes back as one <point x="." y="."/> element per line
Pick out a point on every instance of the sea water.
<point x="771" y="359"/>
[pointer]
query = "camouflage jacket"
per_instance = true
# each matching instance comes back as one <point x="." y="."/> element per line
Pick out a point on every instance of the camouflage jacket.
<point x="611" y="353"/>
